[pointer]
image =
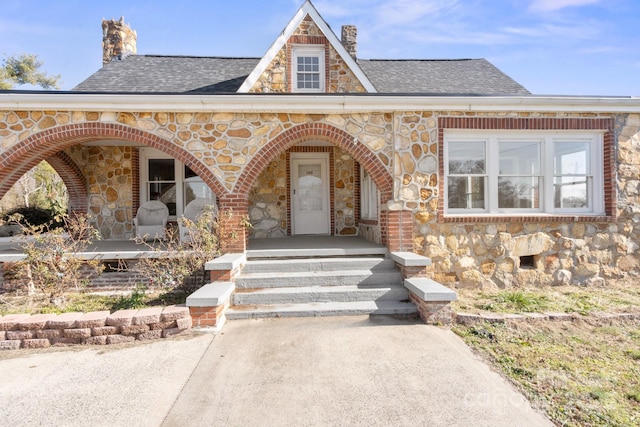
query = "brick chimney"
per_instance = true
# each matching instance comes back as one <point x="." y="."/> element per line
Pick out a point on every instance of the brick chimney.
<point x="349" y="39"/>
<point x="118" y="40"/>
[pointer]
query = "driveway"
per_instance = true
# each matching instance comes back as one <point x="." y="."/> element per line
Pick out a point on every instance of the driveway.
<point x="298" y="372"/>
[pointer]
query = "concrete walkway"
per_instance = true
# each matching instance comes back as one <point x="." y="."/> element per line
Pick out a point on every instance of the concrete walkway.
<point x="298" y="372"/>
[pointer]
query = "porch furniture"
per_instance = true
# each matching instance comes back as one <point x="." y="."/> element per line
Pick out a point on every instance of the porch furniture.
<point x="151" y="220"/>
<point x="192" y="212"/>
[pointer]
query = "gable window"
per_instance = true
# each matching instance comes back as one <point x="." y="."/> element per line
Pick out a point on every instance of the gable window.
<point x="368" y="196"/>
<point x="528" y="173"/>
<point x="170" y="181"/>
<point x="308" y="69"/>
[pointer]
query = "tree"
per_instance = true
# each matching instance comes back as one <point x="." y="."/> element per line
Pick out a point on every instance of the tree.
<point x="25" y="69"/>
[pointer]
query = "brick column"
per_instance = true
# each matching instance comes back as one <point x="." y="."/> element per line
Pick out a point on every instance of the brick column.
<point x="397" y="230"/>
<point x="232" y="210"/>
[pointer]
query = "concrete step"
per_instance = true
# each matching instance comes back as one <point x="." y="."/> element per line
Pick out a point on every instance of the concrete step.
<point x="323" y="309"/>
<point x="318" y="278"/>
<point x="310" y="294"/>
<point x="317" y="264"/>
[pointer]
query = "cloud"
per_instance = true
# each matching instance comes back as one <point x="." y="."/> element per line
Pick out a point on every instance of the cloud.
<point x="551" y="5"/>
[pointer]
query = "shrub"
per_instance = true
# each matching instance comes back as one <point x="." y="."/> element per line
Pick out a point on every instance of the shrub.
<point x="51" y="265"/>
<point x="33" y="217"/>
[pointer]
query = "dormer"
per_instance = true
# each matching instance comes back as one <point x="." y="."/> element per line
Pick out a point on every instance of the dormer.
<point x="309" y="58"/>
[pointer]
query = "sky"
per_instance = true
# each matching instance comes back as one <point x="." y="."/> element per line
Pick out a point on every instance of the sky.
<point x="552" y="47"/>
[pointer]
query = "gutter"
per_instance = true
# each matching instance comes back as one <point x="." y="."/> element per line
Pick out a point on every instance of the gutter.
<point x="311" y="104"/>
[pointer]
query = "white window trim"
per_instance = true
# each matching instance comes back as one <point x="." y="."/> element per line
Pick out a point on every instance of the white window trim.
<point x="151" y="153"/>
<point x="307" y="50"/>
<point x="369" y="197"/>
<point x="547" y="139"/>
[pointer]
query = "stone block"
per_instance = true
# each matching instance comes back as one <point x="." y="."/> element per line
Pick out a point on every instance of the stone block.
<point x="10" y="344"/>
<point x="36" y="343"/>
<point x="97" y="340"/>
<point x="64" y="321"/>
<point x="3" y="335"/>
<point x="151" y="335"/>
<point x="94" y="319"/>
<point x="104" y="330"/>
<point x="172" y="331"/>
<point x="493" y="317"/>
<point x="10" y="321"/>
<point x="184" y="323"/>
<point x="77" y="333"/>
<point x="19" y="335"/>
<point x="121" y="318"/>
<point x="174" y="312"/>
<point x="162" y="325"/>
<point x="146" y="316"/>
<point x="119" y="339"/>
<point x="49" y="334"/>
<point x="536" y="316"/>
<point x="134" y="329"/>
<point x="67" y="341"/>
<point x="559" y="316"/>
<point x="467" y="319"/>
<point x="37" y="321"/>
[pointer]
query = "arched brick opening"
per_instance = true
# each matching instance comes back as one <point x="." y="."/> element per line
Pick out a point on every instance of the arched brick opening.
<point x="17" y="160"/>
<point x="74" y="180"/>
<point x="317" y="132"/>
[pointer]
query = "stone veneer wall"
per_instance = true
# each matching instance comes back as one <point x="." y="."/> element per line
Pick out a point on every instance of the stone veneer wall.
<point x="268" y="201"/>
<point x="470" y="253"/>
<point x="109" y="173"/>
<point x="96" y="328"/>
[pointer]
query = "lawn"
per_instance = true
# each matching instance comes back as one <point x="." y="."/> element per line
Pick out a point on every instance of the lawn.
<point x="584" y="372"/>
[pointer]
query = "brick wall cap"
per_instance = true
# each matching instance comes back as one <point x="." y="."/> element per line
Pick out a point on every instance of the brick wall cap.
<point x="92" y="319"/>
<point x="211" y="295"/>
<point x="410" y="259"/>
<point x="37" y="321"/>
<point x="429" y="290"/>
<point x="226" y="262"/>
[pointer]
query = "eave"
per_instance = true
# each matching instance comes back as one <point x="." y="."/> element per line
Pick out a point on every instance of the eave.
<point x="310" y="104"/>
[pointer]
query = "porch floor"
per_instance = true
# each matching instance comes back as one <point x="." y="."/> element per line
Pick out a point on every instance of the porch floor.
<point x="294" y="246"/>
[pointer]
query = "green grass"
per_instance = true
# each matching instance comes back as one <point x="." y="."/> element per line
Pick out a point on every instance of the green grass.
<point x="580" y="373"/>
<point x="86" y="302"/>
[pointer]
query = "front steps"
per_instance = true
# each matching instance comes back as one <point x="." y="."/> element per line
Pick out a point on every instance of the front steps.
<point x="284" y="285"/>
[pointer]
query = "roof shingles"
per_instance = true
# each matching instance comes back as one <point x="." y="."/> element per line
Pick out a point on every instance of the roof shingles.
<point x="216" y="75"/>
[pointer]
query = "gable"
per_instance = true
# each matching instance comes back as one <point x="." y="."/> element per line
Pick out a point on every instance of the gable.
<point x="275" y="72"/>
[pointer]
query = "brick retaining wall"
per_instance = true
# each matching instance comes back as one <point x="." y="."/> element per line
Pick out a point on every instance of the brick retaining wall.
<point x="97" y="328"/>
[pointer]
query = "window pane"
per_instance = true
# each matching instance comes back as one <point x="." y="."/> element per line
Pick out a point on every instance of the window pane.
<point x="519" y="192"/>
<point x="519" y="158"/>
<point x="466" y="157"/>
<point x="194" y="188"/>
<point x="165" y="192"/>
<point x="161" y="170"/>
<point x="188" y="173"/>
<point x="572" y="158"/>
<point x="466" y="192"/>
<point x="571" y="192"/>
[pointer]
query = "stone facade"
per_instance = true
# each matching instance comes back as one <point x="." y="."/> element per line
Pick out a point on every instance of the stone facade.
<point x="227" y="149"/>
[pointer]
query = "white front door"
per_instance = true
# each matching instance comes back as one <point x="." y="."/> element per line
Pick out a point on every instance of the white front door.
<point x="310" y="193"/>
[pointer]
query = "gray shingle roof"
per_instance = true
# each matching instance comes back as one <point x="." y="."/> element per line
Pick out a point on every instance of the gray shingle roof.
<point x="187" y="74"/>
<point x="181" y="74"/>
<point x="452" y="77"/>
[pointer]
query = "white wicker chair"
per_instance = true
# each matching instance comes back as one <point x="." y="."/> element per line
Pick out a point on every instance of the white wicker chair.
<point x="151" y="220"/>
<point x="192" y="212"/>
